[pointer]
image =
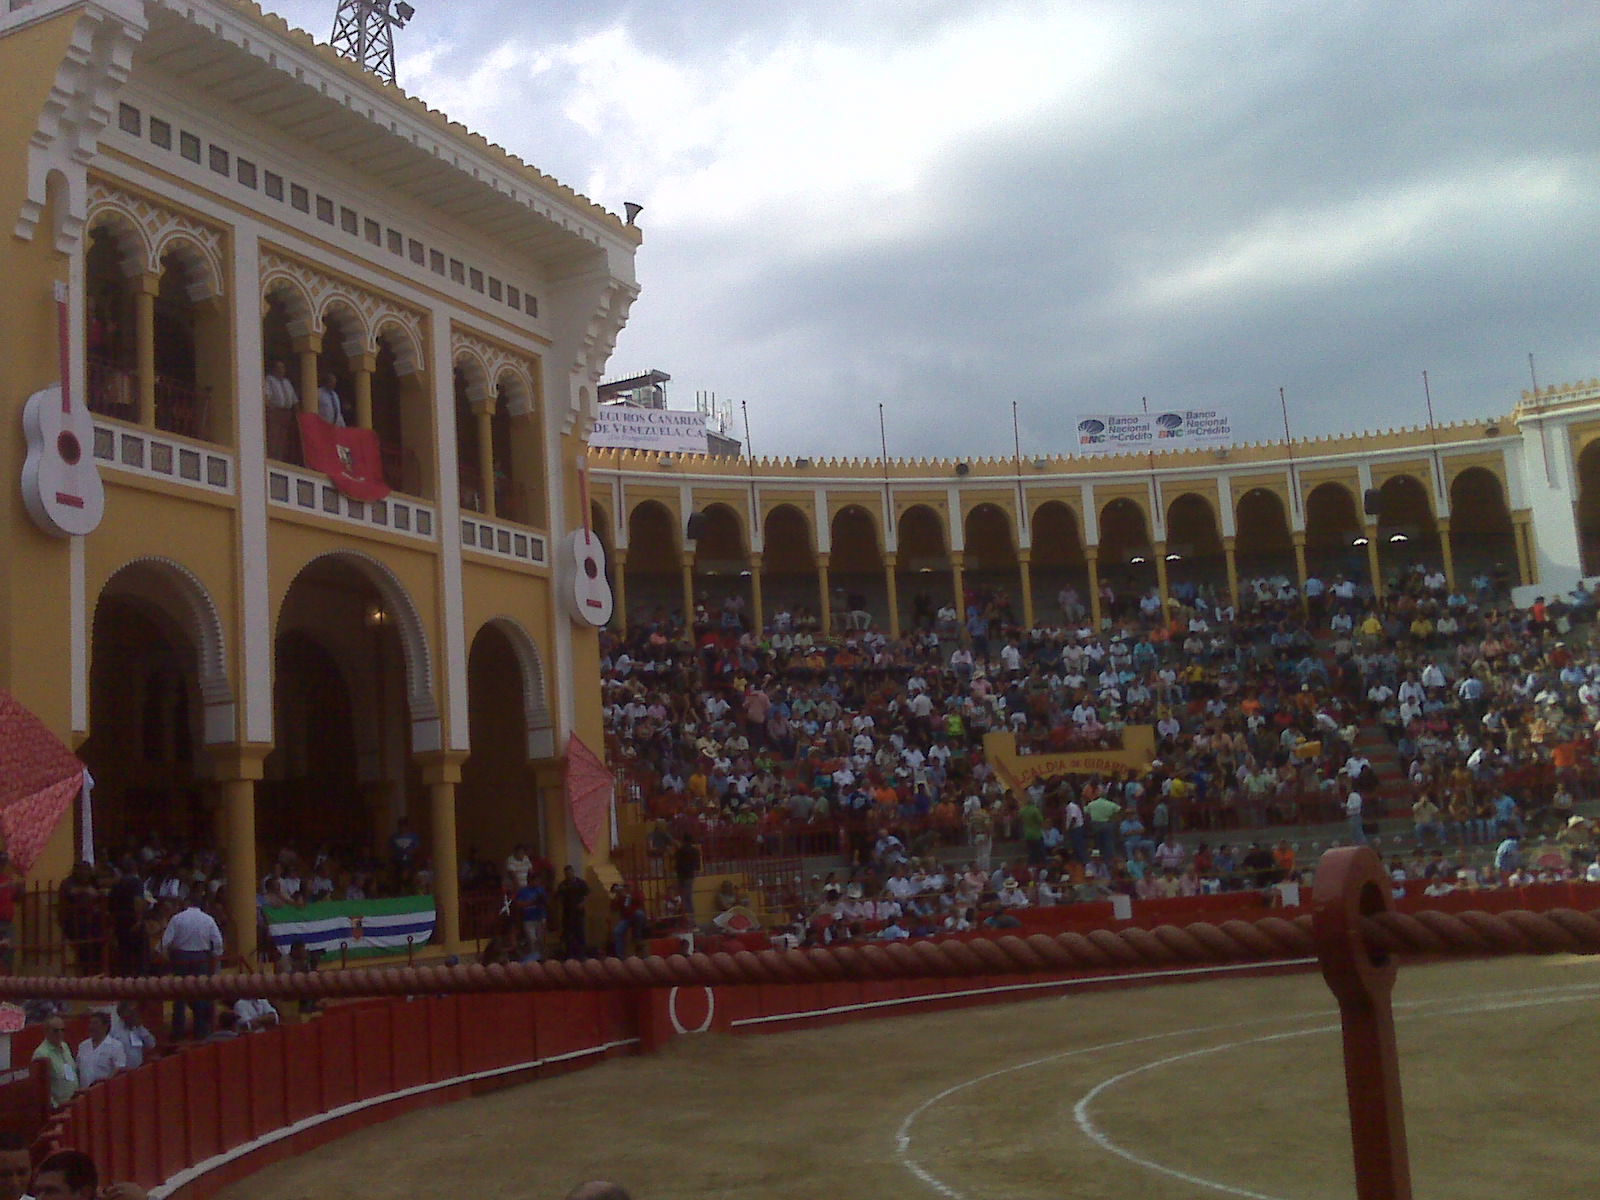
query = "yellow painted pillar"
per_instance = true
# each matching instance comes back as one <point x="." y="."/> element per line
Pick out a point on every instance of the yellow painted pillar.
<point x="1448" y="553"/>
<point x="1025" y="573"/>
<point x="619" y="574"/>
<point x="892" y="589"/>
<point x="145" y="290"/>
<point x="1162" y="590"/>
<point x="1230" y="560"/>
<point x="362" y="366"/>
<point x="237" y="770"/>
<point x="1373" y="563"/>
<point x="441" y="771"/>
<point x="688" y="590"/>
<point x="758" y="610"/>
<point x="1092" y="559"/>
<point x="307" y="347"/>
<point x="958" y="584"/>
<point x="1301" y="573"/>
<point x="825" y="613"/>
<point x="483" y="414"/>
<point x="1522" y="539"/>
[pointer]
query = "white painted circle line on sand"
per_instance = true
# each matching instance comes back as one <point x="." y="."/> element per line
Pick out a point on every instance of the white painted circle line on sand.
<point x="904" y="1133"/>
<point x="1094" y="1133"/>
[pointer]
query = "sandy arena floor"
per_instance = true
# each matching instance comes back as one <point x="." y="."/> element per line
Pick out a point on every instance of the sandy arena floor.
<point x="1222" y="1088"/>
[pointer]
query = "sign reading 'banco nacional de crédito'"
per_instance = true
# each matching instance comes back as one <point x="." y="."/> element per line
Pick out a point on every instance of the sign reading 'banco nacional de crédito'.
<point x="624" y="427"/>
<point x="1172" y="429"/>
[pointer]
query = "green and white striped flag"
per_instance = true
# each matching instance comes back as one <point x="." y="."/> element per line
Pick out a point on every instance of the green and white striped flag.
<point x="359" y="927"/>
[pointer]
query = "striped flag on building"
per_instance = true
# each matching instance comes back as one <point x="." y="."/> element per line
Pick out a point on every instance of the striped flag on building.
<point x="355" y="927"/>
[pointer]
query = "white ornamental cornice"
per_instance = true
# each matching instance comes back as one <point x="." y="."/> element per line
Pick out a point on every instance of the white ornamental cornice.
<point x="77" y="109"/>
<point x="319" y="302"/>
<point x="492" y="367"/>
<point x="149" y="231"/>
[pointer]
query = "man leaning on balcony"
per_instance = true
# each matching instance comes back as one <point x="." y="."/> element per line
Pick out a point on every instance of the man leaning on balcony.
<point x="282" y="404"/>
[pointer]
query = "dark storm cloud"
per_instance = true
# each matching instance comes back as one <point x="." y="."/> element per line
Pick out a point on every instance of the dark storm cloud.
<point x="1229" y="198"/>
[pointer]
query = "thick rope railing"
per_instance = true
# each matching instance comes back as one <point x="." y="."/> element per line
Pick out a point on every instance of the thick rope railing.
<point x="1271" y="939"/>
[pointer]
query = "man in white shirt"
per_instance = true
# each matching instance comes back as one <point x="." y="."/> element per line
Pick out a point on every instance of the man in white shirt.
<point x="254" y="1015"/>
<point x="100" y="1056"/>
<point x="1353" y="805"/>
<point x="277" y="390"/>
<point x="193" y="944"/>
<point x="127" y="1026"/>
<point x="329" y="406"/>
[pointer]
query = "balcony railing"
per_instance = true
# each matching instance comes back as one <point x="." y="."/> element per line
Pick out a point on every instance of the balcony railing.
<point x="113" y="389"/>
<point x="182" y="408"/>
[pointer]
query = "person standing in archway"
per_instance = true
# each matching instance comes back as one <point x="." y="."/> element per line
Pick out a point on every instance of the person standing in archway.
<point x="282" y="402"/>
<point x="572" y="895"/>
<point x="686" y="865"/>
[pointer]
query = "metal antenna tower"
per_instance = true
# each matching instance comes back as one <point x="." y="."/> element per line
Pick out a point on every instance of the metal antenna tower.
<point x="363" y="30"/>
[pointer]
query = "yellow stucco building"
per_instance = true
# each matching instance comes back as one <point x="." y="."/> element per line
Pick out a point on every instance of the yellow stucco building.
<point x="241" y="652"/>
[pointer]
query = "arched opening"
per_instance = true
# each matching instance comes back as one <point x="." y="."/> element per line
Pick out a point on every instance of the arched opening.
<point x="924" y="578"/>
<point x="191" y="352"/>
<point x="469" y="397"/>
<point x="1482" y="535"/>
<point x="1336" y="541"/>
<point x="497" y="801"/>
<point x="654" y="570"/>
<point x="788" y="564"/>
<point x="721" y="570"/>
<point x="157" y="695"/>
<point x="518" y="447"/>
<point x="855" y="569"/>
<point x="343" y="340"/>
<point x="1589" y="508"/>
<point x="1408" y="539"/>
<point x="1263" y="548"/>
<point x="283" y="316"/>
<point x="992" y="576"/>
<point x="351" y="696"/>
<point x="112" y="261"/>
<point x="1060" y="568"/>
<point x="402" y="415"/>
<point x="1194" y="548"/>
<point x="1127" y="564"/>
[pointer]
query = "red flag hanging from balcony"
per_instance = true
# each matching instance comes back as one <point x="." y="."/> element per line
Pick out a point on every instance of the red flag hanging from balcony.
<point x="589" y="790"/>
<point x="352" y="458"/>
<point x="39" y="780"/>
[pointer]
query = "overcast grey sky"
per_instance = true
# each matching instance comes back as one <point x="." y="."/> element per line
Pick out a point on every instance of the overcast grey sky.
<point x="945" y="206"/>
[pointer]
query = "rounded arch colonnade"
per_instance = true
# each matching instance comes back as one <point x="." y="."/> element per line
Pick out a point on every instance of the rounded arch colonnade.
<point x="1090" y="549"/>
<point x="356" y="745"/>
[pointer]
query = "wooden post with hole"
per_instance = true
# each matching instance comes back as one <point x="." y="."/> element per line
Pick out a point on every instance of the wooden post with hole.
<point x="1351" y="884"/>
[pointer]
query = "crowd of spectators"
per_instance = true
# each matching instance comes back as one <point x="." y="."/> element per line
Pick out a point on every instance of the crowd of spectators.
<point x="1263" y="710"/>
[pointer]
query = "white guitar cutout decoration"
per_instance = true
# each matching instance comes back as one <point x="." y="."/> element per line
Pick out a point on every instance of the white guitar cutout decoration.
<point x="590" y="592"/>
<point x="61" y="485"/>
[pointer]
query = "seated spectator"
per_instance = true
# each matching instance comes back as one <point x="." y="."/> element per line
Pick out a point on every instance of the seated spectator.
<point x="255" y="1015"/>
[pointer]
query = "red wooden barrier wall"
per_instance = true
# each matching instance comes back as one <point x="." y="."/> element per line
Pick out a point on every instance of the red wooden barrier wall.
<point x="213" y="1113"/>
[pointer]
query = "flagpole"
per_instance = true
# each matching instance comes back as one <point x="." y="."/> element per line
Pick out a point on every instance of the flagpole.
<point x="1016" y="444"/>
<point x="1433" y="440"/>
<point x="883" y="447"/>
<point x="1288" y="445"/>
<point x="1155" y="485"/>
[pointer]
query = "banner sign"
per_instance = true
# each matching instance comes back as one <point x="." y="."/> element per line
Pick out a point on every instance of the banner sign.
<point x="1172" y="429"/>
<point x="351" y="458"/>
<point x="624" y="427"/>
<point x="1017" y="771"/>
<point x="361" y="927"/>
